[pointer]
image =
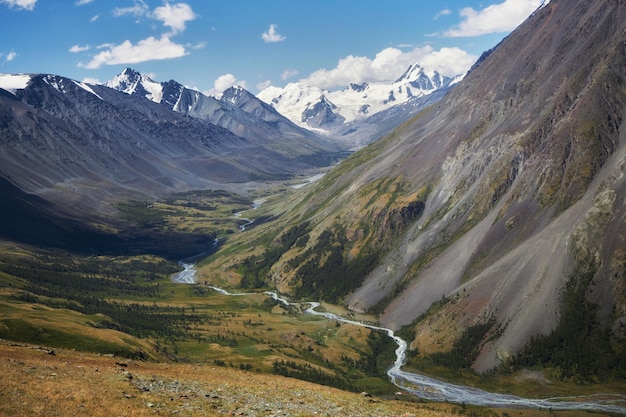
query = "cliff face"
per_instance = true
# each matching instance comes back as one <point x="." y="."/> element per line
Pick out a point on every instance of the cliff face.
<point x="518" y="176"/>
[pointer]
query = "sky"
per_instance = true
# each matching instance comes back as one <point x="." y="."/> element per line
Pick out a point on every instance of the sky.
<point x="210" y="45"/>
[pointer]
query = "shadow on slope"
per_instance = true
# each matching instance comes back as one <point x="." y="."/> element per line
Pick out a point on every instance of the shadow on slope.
<point x="29" y="219"/>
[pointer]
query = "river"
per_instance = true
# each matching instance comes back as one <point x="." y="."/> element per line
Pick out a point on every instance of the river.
<point x="430" y="388"/>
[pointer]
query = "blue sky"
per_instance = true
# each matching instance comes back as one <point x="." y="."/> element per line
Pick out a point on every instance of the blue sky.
<point x="210" y="45"/>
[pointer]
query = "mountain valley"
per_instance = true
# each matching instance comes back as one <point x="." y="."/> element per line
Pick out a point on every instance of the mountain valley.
<point x="480" y="217"/>
<point x="488" y="210"/>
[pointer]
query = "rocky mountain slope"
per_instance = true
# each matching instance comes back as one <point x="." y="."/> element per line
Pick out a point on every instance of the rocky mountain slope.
<point x="353" y="113"/>
<point x="85" y="145"/>
<point x="490" y="208"/>
<point x="237" y="110"/>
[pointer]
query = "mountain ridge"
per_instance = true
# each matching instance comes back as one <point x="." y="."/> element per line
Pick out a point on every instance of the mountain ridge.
<point x="84" y="146"/>
<point x="339" y="113"/>
<point x="237" y="110"/>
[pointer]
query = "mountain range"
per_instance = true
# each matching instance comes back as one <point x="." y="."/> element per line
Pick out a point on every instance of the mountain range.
<point x="237" y="110"/>
<point x="349" y="113"/>
<point x="86" y="143"/>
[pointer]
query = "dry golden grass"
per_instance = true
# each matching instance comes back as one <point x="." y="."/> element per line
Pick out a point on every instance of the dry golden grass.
<point x="36" y="383"/>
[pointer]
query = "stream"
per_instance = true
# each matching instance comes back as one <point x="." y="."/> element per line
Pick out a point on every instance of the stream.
<point x="423" y="386"/>
<point x="435" y="390"/>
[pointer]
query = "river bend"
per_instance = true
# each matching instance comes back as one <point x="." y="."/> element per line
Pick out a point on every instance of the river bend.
<point x="435" y="390"/>
<point x="426" y="387"/>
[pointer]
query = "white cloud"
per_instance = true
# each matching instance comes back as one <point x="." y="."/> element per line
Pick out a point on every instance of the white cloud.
<point x="389" y="64"/>
<point x="94" y="18"/>
<point x="288" y="73"/>
<point x="271" y="35"/>
<point x="10" y="56"/>
<point x="90" y="80"/>
<point x="145" y="50"/>
<point x="224" y="82"/>
<point x="20" y="4"/>
<point x="82" y="2"/>
<point x="199" y="45"/>
<point x="77" y="48"/>
<point x="139" y="8"/>
<point x="174" y="17"/>
<point x="263" y="85"/>
<point x="443" y="12"/>
<point x="501" y="17"/>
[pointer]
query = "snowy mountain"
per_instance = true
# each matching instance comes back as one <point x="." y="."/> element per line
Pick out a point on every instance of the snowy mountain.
<point x="329" y="111"/>
<point x="133" y="83"/>
<point x="237" y="110"/>
<point x="82" y="146"/>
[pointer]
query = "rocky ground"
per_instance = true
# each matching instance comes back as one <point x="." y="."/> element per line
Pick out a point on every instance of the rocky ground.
<point x="41" y="382"/>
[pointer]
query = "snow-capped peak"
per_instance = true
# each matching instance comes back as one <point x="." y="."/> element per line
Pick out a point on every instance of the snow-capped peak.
<point x="412" y="73"/>
<point x="299" y="102"/>
<point x="293" y="100"/>
<point x="132" y="82"/>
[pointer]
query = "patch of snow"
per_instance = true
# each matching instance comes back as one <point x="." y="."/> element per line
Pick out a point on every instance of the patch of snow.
<point x="154" y="89"/>
<point x="13" y="82"/>
<point x="87" y="88"/>
<point x="55" y="83"/>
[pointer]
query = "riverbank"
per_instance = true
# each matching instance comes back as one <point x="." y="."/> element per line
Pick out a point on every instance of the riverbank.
<point x="427" y="388"/>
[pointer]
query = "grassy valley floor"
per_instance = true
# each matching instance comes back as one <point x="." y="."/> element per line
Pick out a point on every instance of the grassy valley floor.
<point x="112" y="335"/>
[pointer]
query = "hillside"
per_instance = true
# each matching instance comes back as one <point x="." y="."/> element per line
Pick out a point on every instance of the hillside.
<point x="495" y="211"/>
<point x="67" y="383"/>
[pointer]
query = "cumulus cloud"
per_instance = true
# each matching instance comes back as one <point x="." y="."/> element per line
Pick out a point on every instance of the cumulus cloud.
<point x="20" y="4"/>
<point x="77" y="48"/>
<point x="288" y="73"/>
<point x="501" y="17"/>
<point x="389" y="64"/>
<point x="224" y="82"/>
<point x="94" y="18"/>
<point x="174" y="16"/>
<point x="272" y="35"/>
<point x="10" y="56"/>
<point x="128" y="53"/>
